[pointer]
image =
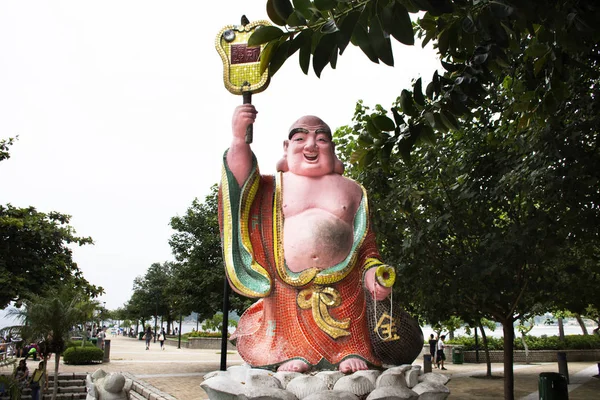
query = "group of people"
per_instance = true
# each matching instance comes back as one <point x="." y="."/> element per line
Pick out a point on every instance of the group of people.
<point x="149" y="335"/>
<point x="35" y="381"/>
<point x="436" y="349"/>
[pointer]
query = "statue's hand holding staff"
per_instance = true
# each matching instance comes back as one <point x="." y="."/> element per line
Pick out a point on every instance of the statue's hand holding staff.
<point x="243" y="117"/>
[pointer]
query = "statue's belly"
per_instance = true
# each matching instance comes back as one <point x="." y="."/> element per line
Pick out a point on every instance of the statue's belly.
<point x="315" y="238"/>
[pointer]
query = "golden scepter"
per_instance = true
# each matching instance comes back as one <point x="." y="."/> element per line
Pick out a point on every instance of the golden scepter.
<point x="241" y="63"/>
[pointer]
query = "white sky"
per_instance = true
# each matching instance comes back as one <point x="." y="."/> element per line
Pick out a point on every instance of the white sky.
<point x="123" y="118"/>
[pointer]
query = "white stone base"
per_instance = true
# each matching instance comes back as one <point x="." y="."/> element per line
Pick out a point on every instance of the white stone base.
<point x="405" y="382"/>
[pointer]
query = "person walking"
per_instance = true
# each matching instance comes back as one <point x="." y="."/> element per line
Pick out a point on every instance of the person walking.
<point x="38" y="378"/>
<point x="441" y="357"/>
<point x="161" y="338"/>
<point x="148" y="336"/>
<point x="432" y="347"/>
<point x="100" y="338"/>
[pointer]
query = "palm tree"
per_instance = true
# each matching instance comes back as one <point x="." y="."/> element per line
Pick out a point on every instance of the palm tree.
<point x="88" y="307"/>
<point x="49" y="318"/>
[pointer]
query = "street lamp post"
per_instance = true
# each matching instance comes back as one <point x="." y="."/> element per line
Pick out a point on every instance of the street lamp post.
<point x="103" y="311"/>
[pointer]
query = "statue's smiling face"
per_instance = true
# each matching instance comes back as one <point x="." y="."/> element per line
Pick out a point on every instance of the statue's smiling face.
<point x="309" y="150"/>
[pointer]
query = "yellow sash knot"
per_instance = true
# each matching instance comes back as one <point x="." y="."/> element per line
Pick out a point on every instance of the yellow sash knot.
<point x="319" y="299"/>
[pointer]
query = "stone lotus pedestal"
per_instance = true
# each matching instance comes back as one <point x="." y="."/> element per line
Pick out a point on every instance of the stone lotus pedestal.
<point x="405" y="382"/>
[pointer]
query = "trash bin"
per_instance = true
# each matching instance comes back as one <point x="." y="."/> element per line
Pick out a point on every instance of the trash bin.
<point x="140" y="335"/>
<point x="457" y="355"/>
<point x="426" y="363"/>
<point x="553" y="386"/>
<point x="106" y="357"/>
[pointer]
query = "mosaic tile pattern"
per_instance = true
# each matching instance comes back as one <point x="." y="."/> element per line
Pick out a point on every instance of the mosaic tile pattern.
<point x="319" y="317"/>
<point x="241" y="64"/>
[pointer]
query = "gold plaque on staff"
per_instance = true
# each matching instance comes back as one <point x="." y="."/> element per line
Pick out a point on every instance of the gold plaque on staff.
<point x="241" y="63"/>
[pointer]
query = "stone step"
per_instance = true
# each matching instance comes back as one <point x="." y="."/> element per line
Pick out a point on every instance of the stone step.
<point x="72" y="389"/>
<point x="133" y="395"/>
<point x="63" y="396"/>
<point x="66" y="376"/>
<point x="75" y="382"/>
<point x="66" y="389"/>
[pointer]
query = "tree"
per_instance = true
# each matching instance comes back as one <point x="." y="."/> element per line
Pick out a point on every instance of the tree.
<point x="152" y="292"/>
<point x="492" y="213"/>
<point x="199" y="273"/>
<point x="531" y="46"/>
<point x="34" y="250"/>
<point x="135" y="309"/>
<point x="480" y="324"/>
<point x="88" y="308"/>
<point x="35" y="253"/>
<point x="490" y="218"/>
<point x="4" y="146"/>
<point x="216" y="323"/>
<point x="49" y="319"/>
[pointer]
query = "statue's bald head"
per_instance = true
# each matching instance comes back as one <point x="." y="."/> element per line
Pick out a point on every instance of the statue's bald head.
<point x="309" y="149"/>
<point x="310" y="121"/>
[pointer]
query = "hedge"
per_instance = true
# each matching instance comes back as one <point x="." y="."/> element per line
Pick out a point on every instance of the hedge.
<point x="571" y="342"/>
<point x="83" y="355"/>
<point x="77" y="343"/>
<point x="203" y="334"/>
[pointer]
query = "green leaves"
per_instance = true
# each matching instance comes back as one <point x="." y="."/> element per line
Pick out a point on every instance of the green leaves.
<point x="368" y="25"/>
<point x="381" y="43"/>
<point x="280" y="9"/>
<point x="323" y="53"/>
<point x="35" y="253"/>
<point x="4" y="146"/>
<point x="407" y="105"/>
<point x="383" y="123"/>
<point x="274" y="16"/>
<point x="303" y="7"/>
<point x="264" y="34"/>
<point x="395" y="20"/>
<point x="324" y="5"/>
<point x="346" y="27"/>
<point x="360" y="38"/>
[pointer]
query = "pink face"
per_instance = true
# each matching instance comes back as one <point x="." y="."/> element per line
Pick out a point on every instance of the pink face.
<point x="309" y="150"/>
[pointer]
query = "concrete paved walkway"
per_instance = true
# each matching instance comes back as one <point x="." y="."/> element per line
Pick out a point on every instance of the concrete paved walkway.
<point x="179" y="372"/>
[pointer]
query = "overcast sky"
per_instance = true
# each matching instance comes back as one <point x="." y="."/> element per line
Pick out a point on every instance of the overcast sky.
<point x="123" y="118"/>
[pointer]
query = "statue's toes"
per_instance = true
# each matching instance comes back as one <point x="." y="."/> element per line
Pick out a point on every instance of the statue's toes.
<point x="352" y="365"/>
<point x="294" y="366"/>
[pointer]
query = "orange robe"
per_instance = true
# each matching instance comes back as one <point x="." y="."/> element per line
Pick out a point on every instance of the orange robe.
<point x="318" y="317"/>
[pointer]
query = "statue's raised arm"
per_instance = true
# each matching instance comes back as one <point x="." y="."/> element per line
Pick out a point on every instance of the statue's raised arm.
<point x="239" y="156"/>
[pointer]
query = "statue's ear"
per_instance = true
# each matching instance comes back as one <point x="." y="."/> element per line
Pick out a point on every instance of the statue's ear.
<point x="282" y="164"/>
<point x="338" y="166"/>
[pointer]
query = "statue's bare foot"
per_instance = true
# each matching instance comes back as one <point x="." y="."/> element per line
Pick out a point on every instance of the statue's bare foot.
<point x="294" y="366"/>
<point x="352" y="365"/>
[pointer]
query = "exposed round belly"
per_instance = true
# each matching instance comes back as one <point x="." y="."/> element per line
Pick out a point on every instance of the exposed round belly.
<point x="315" y="238"/>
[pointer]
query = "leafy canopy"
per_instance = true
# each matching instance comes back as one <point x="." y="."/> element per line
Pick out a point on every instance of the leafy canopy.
<point x="529" y="48"/>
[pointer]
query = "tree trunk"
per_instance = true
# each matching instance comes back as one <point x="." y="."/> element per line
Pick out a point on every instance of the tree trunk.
<point x="525" y="347"/>
<point x="488" y="362"/>
<point x="581" y="324"/>
<point x="509" y="377"/>
<point x="56" y="365"/>
<point x="451" y="335"/>
<point x="44" y="385"/>
<point x="561" y="329"/>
